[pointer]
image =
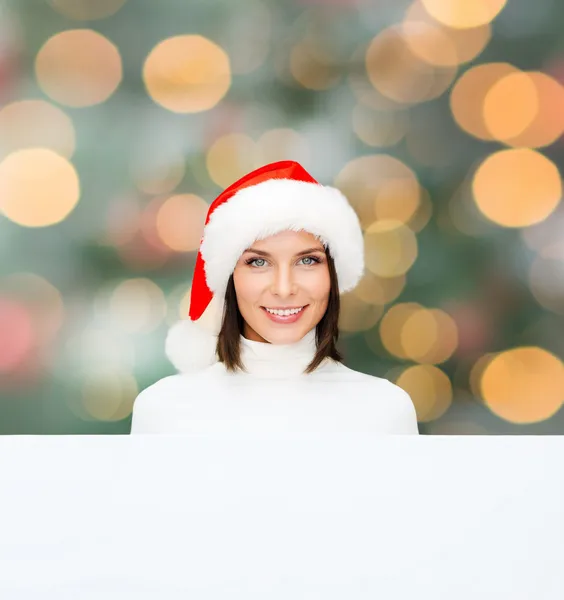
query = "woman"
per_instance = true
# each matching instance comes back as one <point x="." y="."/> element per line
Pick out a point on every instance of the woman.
<point x="258" y="353"/>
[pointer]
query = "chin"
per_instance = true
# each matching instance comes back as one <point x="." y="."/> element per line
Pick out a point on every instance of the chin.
<point x="283" y="335"/>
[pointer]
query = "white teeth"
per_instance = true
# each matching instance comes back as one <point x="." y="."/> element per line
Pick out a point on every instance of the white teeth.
<point x="284" y="313"/>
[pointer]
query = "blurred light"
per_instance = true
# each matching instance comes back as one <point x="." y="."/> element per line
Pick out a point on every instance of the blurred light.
<point x="463" y="14"/>
<point x="37" y="187"/>
<point x="517" y="187"/>
<point x="468" y="95"/>
<point x="362" y="88"/>
<point x="35" y="123"/>
<point x="391" y="325"/>
<point x="158" y="178"/>
<point x="510" y="106"/>
<point x="312" y="70"/>
<point x="356" y="315"/>
<point x="553" y="251"/>
<point x="108" y="395"/>
<point x="122" y="221"/>
<point x="247" y="39"/>
<point x="390" y="248"/>
<point x="18" y="337"/>
<point x="430" y="43"/>
<point x="399" y="74"/>
<point x="180" y="222"/>
<point x="230" y="157"/>
<point x="87" y="10"/>
<point x="40" y="298"/>
<point x="398" y="199"/>
<point x="78" y="67"/>
<point x="430" y="390"/>
<point x="178" y="303"/>
<point x="282" y="144"/>
<point x="548" y="122"/>
<point x="178" y="307"/>
<point x="140" y="254"/>
<point x="474" y="325"/>
<point x="375" y="185"/>
<point x="137" y="306"/>
<point x="410" y="331"/>
<point x="424" y="212"/>
<point x="477" y="371"/>
<point x="187" y="74"/>
<point x="148" y="226"/>
<point x="546" y="278"/>
<point x="463" y="215"/>
<point x="379" y="290"/>
<point x="379" y="128"/>
<point x="439" y="44"/>
<point x="429" y="336"/>
<point x="524" y="385"/>
<point x="100" y="347"/>
<point x="547" y="233"/>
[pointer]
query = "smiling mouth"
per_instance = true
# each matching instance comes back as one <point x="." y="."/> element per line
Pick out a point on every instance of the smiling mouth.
<point x="284" y="312"/>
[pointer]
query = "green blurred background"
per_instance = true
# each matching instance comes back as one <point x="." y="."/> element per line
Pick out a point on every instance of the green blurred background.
<point x="441" y="120"/>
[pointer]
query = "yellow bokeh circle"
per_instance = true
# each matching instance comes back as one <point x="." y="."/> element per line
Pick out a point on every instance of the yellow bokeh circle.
<point x="379" y="290"/>
<point x="356" y="315"/>
<point x="524" y="385"/>
<point x="38" y="187"/>
<point x="429" y="336"/>
<point x="390" y="248"/>
<point x="399" y="74"/>
<point x="380" y="187"/>
<point x="108" y="395"/>
<point x="469" y="93"/>
<point x="180" y="222"/>
<point x="517" y="187"/>
<point x="430" y="390"/>
<point x="391" y="325"/>
<point x="230" y="157"/>
<point x="511" y="105"/>
<point x="78" y="67"/>
<point x="464" y="14"/>
<point x="187" y="74"/>
<point x="36" y="124"/>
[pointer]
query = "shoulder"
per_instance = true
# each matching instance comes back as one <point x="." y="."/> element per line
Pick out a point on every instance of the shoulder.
<point x="396" y="402"/>
<point x="154" y="403"/>
<point x="151" y="401"/>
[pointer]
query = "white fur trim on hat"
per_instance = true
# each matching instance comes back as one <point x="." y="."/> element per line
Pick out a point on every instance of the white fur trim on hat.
<point x="191" y="345"/>
<point x="276" y="205"/>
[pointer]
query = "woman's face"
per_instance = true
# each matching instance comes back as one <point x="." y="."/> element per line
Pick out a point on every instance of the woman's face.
<point x="286" y="271"/>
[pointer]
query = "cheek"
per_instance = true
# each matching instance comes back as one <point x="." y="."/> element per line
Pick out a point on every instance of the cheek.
<point x="247" y="286"/>
<point x="319" y="286"/>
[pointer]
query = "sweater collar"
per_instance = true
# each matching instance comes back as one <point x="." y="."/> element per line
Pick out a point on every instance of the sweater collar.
<point x="278" y="361"/>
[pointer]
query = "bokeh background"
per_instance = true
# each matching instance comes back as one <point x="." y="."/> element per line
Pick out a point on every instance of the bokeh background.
<point x="442" y="121"/>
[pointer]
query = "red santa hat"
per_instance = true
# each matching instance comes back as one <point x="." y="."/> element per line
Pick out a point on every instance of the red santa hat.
<point x="277" y="197"/>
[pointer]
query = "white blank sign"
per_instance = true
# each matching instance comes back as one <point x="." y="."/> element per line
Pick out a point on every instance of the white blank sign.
<point x="297" y="516"/>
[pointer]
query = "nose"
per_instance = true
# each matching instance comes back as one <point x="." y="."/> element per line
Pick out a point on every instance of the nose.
<point x="283" y="283"/>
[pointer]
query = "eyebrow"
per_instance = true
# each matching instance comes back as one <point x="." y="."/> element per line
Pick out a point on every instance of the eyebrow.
<point x="301" y="253"/>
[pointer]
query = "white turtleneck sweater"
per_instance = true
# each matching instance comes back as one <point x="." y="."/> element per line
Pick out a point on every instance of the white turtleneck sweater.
<point x="274" y="395"/>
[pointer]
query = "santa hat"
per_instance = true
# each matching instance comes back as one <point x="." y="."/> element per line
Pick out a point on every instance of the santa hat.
<point x="277" y="197"/>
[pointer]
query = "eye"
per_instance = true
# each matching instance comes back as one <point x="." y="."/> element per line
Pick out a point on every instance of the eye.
<point x="256" y="262"/>
<point x="311" y="260"/>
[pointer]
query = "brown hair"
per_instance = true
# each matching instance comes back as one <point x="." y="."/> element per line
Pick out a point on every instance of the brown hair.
<point x="326" y="332"/>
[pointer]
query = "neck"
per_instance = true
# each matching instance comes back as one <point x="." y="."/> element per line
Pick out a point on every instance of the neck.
<point x="278" y="361"/>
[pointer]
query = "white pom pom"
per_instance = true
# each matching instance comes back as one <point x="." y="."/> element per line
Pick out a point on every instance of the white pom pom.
<point x="190" y="347"/>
